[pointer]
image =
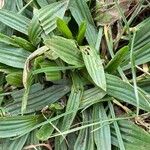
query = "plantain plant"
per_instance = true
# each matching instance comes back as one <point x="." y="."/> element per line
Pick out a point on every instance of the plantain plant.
<point x="74" y="75"/>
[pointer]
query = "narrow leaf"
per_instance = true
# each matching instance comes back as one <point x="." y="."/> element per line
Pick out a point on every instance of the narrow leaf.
<point x="117" y="59"/>
<point x="63" y="28"/>
<point x="102" y="134"/>
<point x="94" y="66"/>
<point x="81" y="33"/>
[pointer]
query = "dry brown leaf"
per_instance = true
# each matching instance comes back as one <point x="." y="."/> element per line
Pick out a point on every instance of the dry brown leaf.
<point x="111" y="15"/>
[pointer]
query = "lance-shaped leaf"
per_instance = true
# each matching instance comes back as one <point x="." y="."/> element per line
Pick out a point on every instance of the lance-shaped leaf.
<point x="12" y="56"/>
<point x="125" y="92"/>
<point x="92" y="96"/>
<point x="15" y="126"/>
<point x="73" y="102"/>
<point x="14" y="20"/>
<point x="66" y="49"/>
<point x="49" y="14"/>
<point x="7" y="40"/>
<point x="46" y="130"/>
<point x="37" y="99"/>
<point x="133" y="136"/>
<point x="85" y="140"/>
<point x="81" y="32"/>
<point x="54" y="69"/>
<point x="35" y="30"/>
<point x="141" y="56"/>
<point x="24" y="44"/>
<point x="64" y="29"/>
<point x="143" y="34"/>
<point x="116" y="61"/>
<point x="102" y="134"/>
<point x="94" y="66"/>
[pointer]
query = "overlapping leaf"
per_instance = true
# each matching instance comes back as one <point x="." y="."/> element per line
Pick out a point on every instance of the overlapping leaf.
<point x="14" y="20"/>
<point x="81" y="12"/>
<point x="48" y="15"/>
<point x="12" y="56"/>
<point x="94" y="66"/>
<point x="37" y="99"/>
<point x="66" y="49"/>
<point x="133" y="136"/>
<point x="125" y="92"/>
<point x="14" y="126"/>
<point x="102" y="135"/>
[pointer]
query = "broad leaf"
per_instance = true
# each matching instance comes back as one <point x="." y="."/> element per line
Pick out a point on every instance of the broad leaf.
<point x="15" y="126"/>
<point x="14" y="20"/>
<point x="12" y="56"/>
<point x="133" y="136"/>
<point x="66" y="49"/>
<point x="37" y="99"/>
<point x="125" y="92"/>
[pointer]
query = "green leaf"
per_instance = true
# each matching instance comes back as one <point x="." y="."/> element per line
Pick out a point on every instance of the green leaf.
<point x="7" y="40"/>
<point x="45" y="131"/>
<point x="17" y="144"/>
<point x="134" y="137"/>
<point x="102" y="134"/>
<point x="85" y="140"/>
<point x="15" y="126"/>
<point x="94" y="66"/>
<point x="80" y="11"/>
<point x="63" y="28"/>
<point x="92" y="96"/>
<point x="15" y="79"/>
<point x="38" y="98"/>
<point x="117" y="59"/>
<point x="141" y="56"/>
<point x="24" y="44"/>
<point x="49" y="14"/>
<point x="143" y="34"/>
<point x="51" y="76"/>
<point x="81" y="32"/>
<point x="12" y="56"/>
<point x="73" y="102"/>
<point x="51" y="55"/>
<point x="66" y="49"/>
<point x="54" y="69"/>
<point x="124" y="91"/>
<point x="35" y="30"/>
<point x="7" y="69"/>
<point x="116" y="126"/>
<point x="14" y="20"/>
